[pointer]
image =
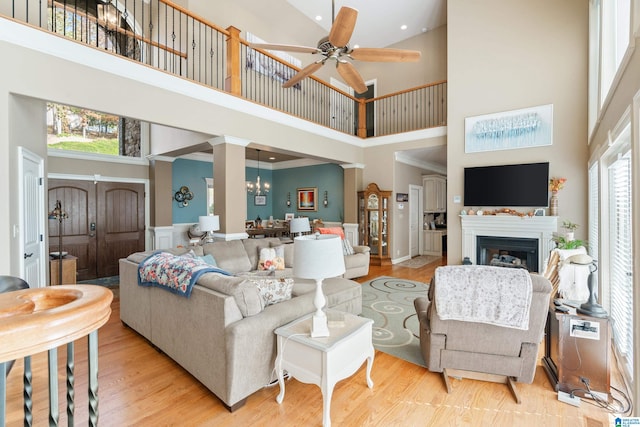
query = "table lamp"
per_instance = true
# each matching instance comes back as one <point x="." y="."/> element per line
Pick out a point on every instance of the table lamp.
<point x="299" y="225"/>
<point x="209" y="224"/>
<point x="318" y="257"/>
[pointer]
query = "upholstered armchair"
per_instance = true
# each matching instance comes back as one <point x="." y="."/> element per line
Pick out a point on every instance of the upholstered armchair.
<point x="477" y="349"/>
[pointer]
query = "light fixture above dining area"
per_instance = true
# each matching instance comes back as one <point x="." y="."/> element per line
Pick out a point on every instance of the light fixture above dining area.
<point x="258" y="187"/>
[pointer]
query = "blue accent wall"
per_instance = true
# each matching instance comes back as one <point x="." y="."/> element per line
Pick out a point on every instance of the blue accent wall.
<point x="326" y="177"/>
<point x="191" y="173"/>
<point x="253" y="211"/>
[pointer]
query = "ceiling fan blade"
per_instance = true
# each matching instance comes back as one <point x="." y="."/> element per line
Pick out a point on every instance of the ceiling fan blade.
<point x="384" y="55"/>
<point x="284" y="47"/>
<point x="306" y="71"/>
<point x="351" y="76"/>
<point x="343" y="26"/>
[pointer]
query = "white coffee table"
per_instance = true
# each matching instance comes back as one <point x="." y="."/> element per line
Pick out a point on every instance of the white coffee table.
<point x="324" y="361"/>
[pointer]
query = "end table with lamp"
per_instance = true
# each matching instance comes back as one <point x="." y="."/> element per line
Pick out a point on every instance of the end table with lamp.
<point x="311" y="349"/>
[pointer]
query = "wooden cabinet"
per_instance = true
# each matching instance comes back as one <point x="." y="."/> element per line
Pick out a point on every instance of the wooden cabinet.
<point x="432" y="244"/>
<point x="69" y="268"/>
<point x="374" y="220"/>
<point x="435" y="193"/>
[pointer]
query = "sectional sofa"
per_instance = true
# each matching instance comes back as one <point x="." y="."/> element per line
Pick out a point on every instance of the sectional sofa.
<point x="223" y="333"/>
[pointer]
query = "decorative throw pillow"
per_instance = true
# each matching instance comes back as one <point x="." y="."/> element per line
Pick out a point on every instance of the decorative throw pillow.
<point x="347" y="249"/>
<point x="209" y="259"/>
<point x="273" y="291"/>
<point x="332" y="230"/>
<point x="271" y="258"/>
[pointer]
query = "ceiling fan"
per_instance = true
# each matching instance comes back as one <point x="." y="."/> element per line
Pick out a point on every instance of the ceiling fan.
<point x="335" y="47"/>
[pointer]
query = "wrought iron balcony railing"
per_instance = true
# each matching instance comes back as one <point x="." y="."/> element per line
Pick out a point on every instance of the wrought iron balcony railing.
<point x="168" y="37"/>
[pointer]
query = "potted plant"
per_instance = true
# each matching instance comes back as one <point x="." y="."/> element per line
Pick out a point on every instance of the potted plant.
<point x="563" y="243"/>
<point x="570" y="228"/>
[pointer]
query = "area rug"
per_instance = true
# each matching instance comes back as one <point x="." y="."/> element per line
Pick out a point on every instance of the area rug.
<point x="420" y="261"/>
<point x="388" y="301"/>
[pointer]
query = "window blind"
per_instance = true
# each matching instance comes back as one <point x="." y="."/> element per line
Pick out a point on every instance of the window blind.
<point x="593" y="236"/>
<point x="620" y="258"/>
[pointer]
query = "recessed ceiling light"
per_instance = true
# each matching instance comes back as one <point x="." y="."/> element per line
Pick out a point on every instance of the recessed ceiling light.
<point x="272" y="158"/>
<point x="403" y="27"/>
<point x="355" y="46"/>
<point x="425" y="29"/>
<point x="318" y="18"/>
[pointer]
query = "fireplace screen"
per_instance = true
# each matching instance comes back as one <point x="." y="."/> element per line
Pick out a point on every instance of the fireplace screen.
<point x="507" y="252"/>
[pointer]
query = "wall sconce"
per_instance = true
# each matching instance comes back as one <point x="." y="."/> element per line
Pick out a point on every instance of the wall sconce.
<point x="288" y="199"/>
<point x="183" y="196"/>
<point x="325" y="201"/>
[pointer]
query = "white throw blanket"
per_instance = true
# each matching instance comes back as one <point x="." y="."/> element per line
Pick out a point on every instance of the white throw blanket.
<point x="494" y="295"/>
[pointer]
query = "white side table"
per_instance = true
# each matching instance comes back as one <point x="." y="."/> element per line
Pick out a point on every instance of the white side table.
<point x="324" y="361"/>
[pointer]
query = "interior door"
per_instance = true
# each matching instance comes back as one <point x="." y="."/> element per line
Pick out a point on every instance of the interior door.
<point x="120" y="227"/>
<point x="415" y="219"/>
<point x="33" y="265"/>
<point x="78" y="200"/>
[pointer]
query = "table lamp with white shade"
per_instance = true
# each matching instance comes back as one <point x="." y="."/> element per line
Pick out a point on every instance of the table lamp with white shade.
<point x="209" y="224"/>
<point x="299" y="225"/>
<point x="318" y="257"/>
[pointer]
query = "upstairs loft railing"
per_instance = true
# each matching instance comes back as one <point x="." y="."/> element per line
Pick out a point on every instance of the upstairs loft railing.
<point x="170" y="38"/>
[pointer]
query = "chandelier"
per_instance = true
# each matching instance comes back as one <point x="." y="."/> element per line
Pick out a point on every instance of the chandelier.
<point x="258" y="187"/>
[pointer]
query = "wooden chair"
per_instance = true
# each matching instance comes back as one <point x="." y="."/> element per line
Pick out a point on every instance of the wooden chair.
<point x="551" y="272"/>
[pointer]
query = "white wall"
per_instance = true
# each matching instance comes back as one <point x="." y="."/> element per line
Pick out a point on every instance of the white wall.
<point x="505" y="55"/>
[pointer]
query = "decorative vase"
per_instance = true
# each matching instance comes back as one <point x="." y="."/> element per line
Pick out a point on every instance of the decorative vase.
<point x="553" y="204"/>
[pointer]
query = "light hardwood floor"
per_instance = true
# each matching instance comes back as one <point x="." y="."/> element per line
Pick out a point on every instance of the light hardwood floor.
<point x="141" y="387"/>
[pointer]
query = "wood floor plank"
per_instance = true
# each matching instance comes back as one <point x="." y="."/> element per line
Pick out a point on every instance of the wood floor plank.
<point x="140" y="386"/>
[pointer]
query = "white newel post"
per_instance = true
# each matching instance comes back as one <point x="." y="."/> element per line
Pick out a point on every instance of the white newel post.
<point x="536" y="227"/>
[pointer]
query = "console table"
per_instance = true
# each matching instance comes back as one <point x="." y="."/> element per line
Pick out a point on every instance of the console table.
<point x="324" y="361"/>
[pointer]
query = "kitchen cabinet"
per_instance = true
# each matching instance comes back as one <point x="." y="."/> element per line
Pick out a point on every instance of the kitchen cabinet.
<point x="435" y="193"/>
<point x="432" y="242"/>
<point x="374" y="220"/>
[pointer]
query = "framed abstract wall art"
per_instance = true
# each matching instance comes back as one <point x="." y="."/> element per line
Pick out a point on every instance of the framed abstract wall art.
<point x="524" y="128"/>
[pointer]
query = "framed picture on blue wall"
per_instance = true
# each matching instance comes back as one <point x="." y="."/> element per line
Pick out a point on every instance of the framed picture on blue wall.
<point x="307" y="199"/>
<point x="260" y="200"/>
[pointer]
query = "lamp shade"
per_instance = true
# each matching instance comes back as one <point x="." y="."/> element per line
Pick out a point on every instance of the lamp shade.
<point x="299" y="225"/>
<point x="318" y="256"/>
<point x="209" y="223"/>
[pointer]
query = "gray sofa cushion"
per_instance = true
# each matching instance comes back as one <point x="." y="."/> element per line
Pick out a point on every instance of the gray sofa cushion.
<point x="230" y="256"/>
<point x="243" y="291"/>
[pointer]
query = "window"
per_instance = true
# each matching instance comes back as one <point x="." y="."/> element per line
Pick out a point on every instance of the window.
<point x="78" y="129"/>
<point x="209" y="195"/>
<point x="620" y="256"/>
<point x="614" y="38"/>
<point x="594" y="199"/>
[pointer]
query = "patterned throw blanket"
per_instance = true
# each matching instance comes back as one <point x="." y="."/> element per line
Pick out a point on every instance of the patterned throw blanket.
<point x="493" y="295"/>
<point x="176" y="274"/>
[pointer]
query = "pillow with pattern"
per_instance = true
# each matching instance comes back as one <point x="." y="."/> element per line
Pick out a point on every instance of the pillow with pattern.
<point x="273" y="291"/>
<point x="271" y="258"/>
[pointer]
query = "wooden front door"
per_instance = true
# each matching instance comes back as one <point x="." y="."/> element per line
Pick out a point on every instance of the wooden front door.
<point x="105" y="223"/>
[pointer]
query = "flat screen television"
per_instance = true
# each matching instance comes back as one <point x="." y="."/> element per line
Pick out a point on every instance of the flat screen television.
<point x="507" y="185"/>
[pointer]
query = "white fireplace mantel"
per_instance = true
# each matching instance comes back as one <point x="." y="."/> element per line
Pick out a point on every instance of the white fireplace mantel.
<point x="536" y="227"/>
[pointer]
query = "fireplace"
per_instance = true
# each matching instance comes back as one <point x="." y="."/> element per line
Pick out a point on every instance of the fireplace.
<point x="538" y="228"/>
<point x="507" y="252"/>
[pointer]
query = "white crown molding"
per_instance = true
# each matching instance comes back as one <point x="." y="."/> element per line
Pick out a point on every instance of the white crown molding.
<point x="200" y="157"/>
<point x="154" y="157"/>
<point x="227" y="139"/>
<point x="407" y="160"/>
<point x="353" y="166"/>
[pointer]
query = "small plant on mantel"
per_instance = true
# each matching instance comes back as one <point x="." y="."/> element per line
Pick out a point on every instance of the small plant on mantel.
<point x="569" y="226"/>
